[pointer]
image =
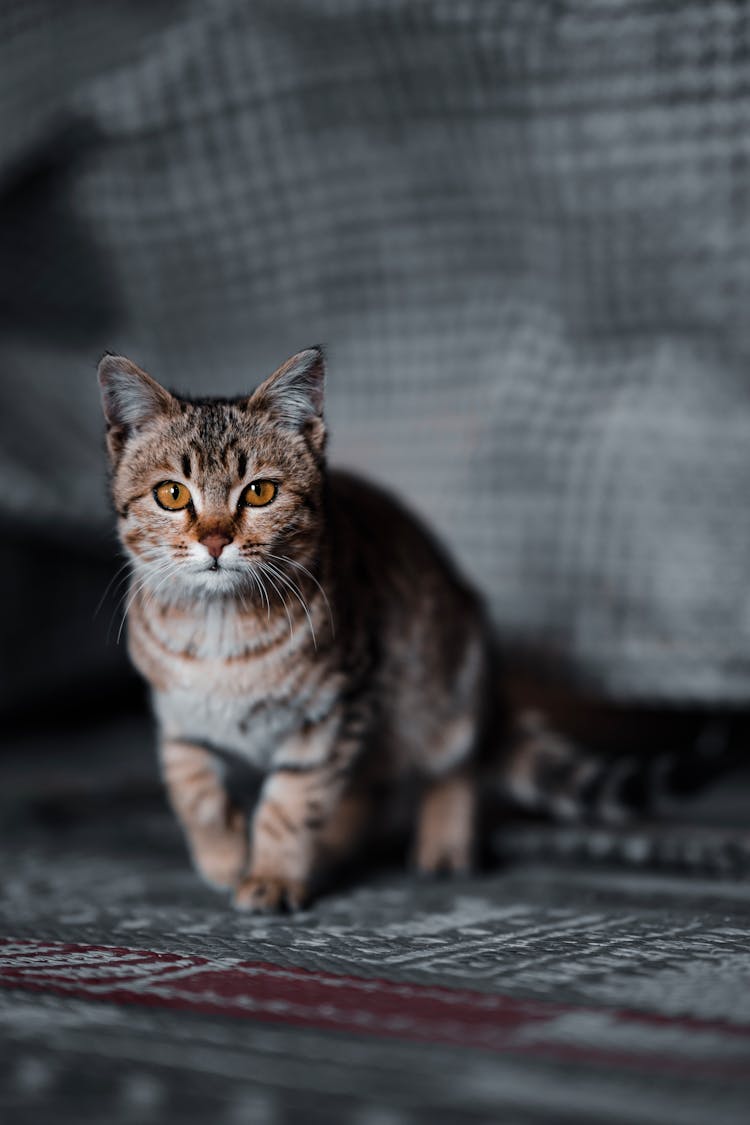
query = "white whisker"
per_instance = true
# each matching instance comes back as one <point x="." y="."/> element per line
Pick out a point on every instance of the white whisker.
<point x="167" y="568"/>
<point x="298" y="595"/>
<point x="311" y="576"/>
<point x="123" y="601"/>
<point x="282" y="599"/>
<point x="258" y="582"/>
<point x="119" y="577"/>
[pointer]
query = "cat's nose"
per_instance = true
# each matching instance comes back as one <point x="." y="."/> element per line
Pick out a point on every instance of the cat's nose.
<point x="215" y="542"/>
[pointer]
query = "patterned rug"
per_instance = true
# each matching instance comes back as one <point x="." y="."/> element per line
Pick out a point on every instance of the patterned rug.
<point x="570" y="984"/>
<point x="528" y="996"/>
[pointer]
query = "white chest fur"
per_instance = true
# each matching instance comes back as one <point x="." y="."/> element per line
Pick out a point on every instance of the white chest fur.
<point x="218" y="681"/>
<point x="254" y="730"/>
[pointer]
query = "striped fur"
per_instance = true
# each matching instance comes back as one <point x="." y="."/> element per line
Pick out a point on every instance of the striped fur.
<point x="331" y="647"/>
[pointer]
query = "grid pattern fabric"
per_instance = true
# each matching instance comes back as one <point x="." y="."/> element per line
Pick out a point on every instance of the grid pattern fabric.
<point x="521" y="229"/>
<point x="536" y="995"/>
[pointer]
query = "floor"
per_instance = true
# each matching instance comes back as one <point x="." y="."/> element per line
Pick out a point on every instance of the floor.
<point x="577" y="982"/>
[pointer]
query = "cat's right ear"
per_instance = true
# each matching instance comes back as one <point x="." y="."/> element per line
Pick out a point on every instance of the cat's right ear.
<point x="130" y="399"/>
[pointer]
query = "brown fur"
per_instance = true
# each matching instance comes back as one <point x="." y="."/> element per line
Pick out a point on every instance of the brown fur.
<point x="344" y="657"/>
<point x="324" y="638"/>
<point x="216" y="830"/>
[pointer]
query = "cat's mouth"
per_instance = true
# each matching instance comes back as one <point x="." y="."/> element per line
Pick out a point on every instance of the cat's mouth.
<point x="217" y="567"/>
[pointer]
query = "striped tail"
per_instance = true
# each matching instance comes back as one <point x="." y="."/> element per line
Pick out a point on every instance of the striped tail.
<point x="546" y="772"/>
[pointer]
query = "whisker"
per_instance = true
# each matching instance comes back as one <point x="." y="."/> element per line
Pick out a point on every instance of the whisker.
<point x="119" y="577"/>
<point x="133" y="588"/>
<point x="242" y="599"/>
<point x="150" y="596"/>
<point x="264" y="567"/>
<point x="311" y="576"/>
<point x="298" y="595"/>
<point x="129" y="599"/>
<point x="166" y="568"/>
<point x="257" y="581"/>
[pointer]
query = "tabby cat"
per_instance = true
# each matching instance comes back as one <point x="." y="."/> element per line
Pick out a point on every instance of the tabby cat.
<point x="299" y="619"/>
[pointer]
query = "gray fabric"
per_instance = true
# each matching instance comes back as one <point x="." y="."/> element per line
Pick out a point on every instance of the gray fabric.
<point x="520" y="228"/>
<point x="668" y="949"/>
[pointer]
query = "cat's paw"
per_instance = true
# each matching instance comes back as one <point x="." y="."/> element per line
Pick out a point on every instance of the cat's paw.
<point x="264" y="894"/>
<point x="445" y="828"/>
<point x="444" y="848"/>
<point x="221" y="872"/>
<point x="222" y="858"/>
<point x="444" y="857"/>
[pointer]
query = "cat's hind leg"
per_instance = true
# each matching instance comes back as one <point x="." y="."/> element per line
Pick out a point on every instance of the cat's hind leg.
<point x="446" y="825"/>
<point x="445" y="838"/>
<point x="444" y="749"/>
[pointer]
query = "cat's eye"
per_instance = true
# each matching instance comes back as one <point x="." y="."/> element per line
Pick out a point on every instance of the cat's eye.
<point x="259" y="493"/>
<point x="172" y="495"/>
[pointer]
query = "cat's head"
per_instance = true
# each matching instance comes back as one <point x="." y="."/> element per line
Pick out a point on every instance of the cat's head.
<point x="211" y="493"/>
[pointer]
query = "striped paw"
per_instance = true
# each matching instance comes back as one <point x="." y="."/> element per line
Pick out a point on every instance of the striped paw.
<point x="221" y="853"/>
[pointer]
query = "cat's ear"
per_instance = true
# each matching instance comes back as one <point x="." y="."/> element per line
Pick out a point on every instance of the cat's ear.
<point x="294" y="394"/>
<point x="130" y="399"/>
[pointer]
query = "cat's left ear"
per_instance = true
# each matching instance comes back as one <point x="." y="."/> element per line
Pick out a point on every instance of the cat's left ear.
<point x="294" y="395"/>
<point x="130" y="399"/>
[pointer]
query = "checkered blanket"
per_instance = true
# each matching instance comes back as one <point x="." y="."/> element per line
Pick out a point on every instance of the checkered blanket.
<point x="522" y="227"/>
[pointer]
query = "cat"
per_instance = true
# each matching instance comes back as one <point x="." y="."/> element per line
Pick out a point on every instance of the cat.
<point x="298" y="618"/>
<point x="295" y="618"/>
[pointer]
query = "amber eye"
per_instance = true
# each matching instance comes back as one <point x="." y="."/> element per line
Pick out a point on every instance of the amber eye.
<point x="259" y="493"/>
<point x="172" y="495"/>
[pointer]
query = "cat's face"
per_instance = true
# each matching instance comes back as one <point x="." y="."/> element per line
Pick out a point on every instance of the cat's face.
<point x="214" y="495"/>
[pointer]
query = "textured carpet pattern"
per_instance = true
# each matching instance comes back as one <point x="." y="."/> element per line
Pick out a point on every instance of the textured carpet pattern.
<point x="372" y="1007"/>
<point x="532" y="994"/>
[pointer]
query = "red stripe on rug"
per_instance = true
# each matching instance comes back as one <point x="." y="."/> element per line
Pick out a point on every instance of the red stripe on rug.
<point x="326" y="1001"/>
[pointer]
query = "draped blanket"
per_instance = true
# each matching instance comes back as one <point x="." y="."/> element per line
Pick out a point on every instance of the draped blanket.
<point x="522" y="229"/>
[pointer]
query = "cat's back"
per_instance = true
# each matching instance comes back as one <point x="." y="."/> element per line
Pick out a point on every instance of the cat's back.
<point x="408" y="622"/>
<point x="393" y="580"/>
<point x="372" y="527"/>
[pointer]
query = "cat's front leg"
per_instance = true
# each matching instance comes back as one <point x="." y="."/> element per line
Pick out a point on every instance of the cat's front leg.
<point x="215" y="829"/>
<point x="297" y="804"/>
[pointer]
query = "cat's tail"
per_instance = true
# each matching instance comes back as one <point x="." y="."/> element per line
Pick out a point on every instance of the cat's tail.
<point x="543" y="771"/>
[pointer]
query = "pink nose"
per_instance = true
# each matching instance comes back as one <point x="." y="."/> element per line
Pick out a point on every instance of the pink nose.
<point x="215" y="543"/>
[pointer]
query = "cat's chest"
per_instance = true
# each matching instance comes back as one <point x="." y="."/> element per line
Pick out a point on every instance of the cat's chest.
<point x="216" y="685"/>
<point x="254" y="728"/>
